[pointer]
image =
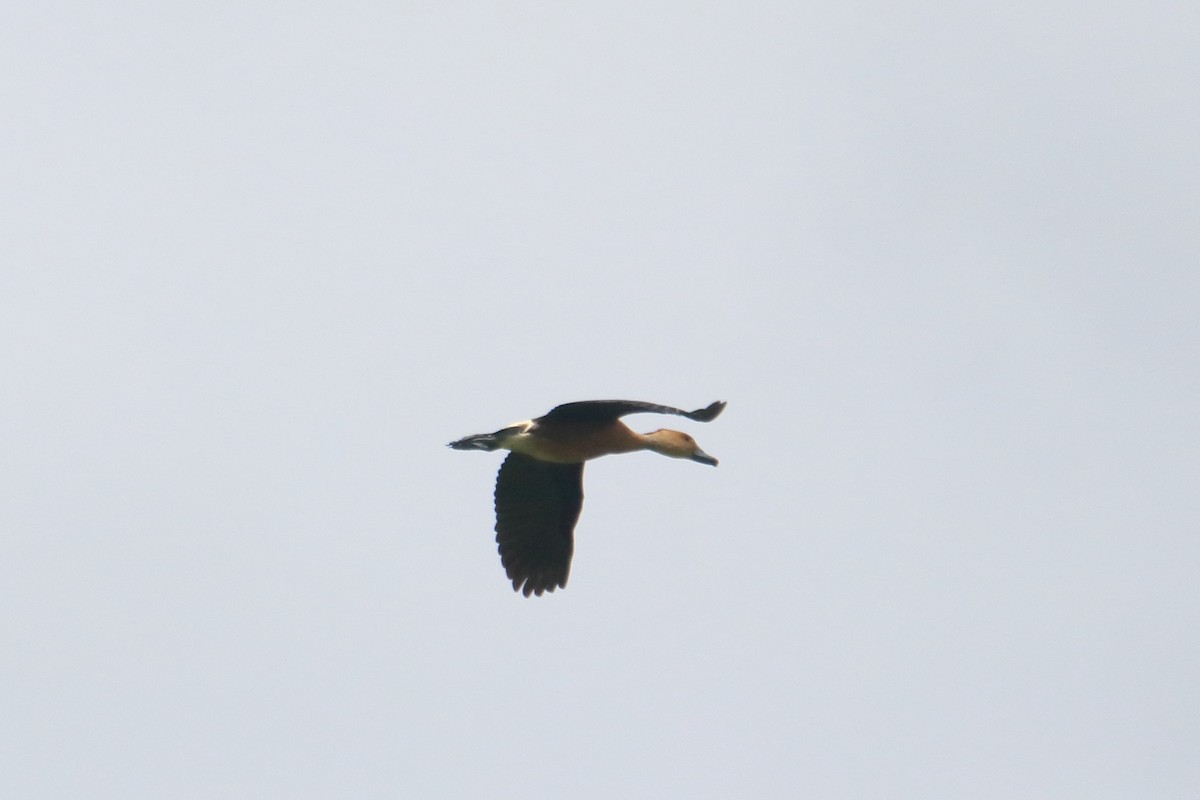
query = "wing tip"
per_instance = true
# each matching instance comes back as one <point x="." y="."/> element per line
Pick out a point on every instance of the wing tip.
<point x="708" y="413"/>
<point x="531" y="585"/>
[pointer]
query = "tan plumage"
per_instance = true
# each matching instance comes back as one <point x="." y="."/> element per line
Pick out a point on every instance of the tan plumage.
<point x="539" y="489"/>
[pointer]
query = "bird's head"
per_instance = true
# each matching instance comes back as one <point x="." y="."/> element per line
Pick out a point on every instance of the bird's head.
<point x="677" y="444"/>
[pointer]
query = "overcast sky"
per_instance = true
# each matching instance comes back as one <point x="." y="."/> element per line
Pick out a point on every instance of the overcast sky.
<point x="262" y="261"/>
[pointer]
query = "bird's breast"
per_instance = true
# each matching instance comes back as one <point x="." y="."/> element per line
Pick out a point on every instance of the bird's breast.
<point x="572" y="443"/>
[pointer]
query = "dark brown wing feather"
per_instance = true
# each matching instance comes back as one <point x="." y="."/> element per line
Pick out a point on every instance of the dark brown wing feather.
<point x="600" y="410"/>
<point x="537" y="505"/>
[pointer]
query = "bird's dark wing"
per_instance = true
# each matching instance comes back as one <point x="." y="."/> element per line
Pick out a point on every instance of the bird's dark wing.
<point x="603" y="410"/>
<point x="537" y="505"/>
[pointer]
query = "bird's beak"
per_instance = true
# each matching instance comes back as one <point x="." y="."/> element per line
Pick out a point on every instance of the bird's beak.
<point x="703" y="458"/>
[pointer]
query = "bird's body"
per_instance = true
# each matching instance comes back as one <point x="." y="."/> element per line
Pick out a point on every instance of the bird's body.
<point x="539" y="489"/>
<point x="570" y="442"/>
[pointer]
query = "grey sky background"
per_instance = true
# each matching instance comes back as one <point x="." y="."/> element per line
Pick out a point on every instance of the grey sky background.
<point x="262" y="262"/>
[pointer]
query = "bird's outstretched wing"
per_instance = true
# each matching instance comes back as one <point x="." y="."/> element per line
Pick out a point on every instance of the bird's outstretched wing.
<point x="537" y="505"/>
<point x="601" y="410"/>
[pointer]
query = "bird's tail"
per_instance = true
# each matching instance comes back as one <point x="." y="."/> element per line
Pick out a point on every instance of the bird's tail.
<point x="480" y="441"/>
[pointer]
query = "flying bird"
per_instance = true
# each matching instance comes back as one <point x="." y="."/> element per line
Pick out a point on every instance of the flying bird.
<point x="539" y="489"/>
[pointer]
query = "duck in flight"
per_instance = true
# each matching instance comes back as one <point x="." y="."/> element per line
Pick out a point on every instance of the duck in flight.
<point x="539" y="490"/>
